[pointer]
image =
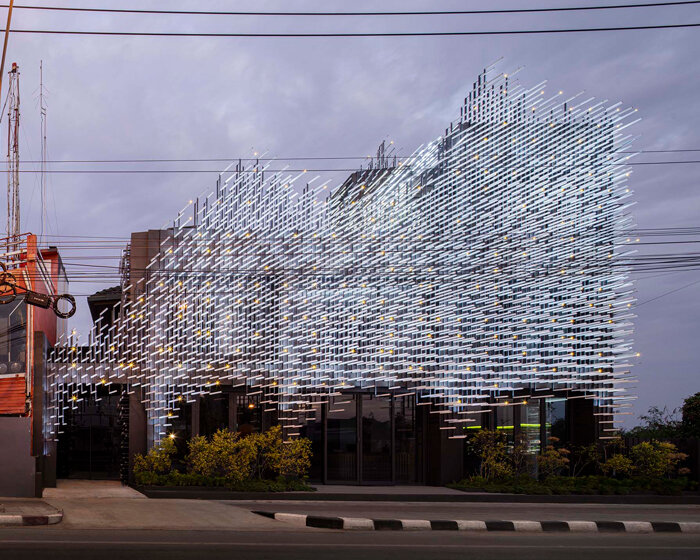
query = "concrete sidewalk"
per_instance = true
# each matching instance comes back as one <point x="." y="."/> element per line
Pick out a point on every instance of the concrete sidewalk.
<point x="68" y="489"/>
<point x="107" y="504"/>
<point x="28" y="511"/>
<point x="186" y="515"/>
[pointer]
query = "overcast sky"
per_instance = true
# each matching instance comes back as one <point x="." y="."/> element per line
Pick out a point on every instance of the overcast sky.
<point x="158" y="97"/>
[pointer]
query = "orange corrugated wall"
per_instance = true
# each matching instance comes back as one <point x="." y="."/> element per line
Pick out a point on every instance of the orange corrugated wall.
<point x="12" y="395"/>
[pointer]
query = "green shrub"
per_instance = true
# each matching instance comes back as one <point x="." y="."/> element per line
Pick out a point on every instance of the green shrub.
<point x="293" y="459"/>
<point x="176" y="478"/>
<point x="587" y="485"/>
<point x="159" y="459"/>
<point x="227" y="459"/>
<point x="617" y="465"/>
<point x="491" y="447"/>
<point x="226" y="455"/>
<point x="265" y="451"/>
<point x="553" y="460"/>
<point x="655" y="459"/>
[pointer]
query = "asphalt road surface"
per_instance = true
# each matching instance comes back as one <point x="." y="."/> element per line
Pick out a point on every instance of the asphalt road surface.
<point x="39" y="543"/>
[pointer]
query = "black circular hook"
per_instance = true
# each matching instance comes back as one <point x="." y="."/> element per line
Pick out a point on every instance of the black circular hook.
<point x="70" y="299"/>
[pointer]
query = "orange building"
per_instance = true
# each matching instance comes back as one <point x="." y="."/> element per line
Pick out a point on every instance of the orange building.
<point x="27" y="332"/>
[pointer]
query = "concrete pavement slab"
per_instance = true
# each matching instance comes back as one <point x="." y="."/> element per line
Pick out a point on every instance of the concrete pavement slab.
<point x="68" y="488"/>
<point x="28" y="511"/>
<point x="128" y="513"/>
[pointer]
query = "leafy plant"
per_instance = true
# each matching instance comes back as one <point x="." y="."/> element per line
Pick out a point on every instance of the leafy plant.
<point x="520" y="457"/>
<point x="158" y="460"/>
<point x="655" y="459"/>
<point x="265" y="449"/>
<point x="617" y="465"/>
<point x="228" y="459"/>
<point x="582" y="457"/>
<point x="293" y="459"/>
<point x="226" y="455"/>
<point x="690" y="424"/>
<point x="553" y="460"/>
<point x="658" y="424"/>
<point x="491" y="447"/>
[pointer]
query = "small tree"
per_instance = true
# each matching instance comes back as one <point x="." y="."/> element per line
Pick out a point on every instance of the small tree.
<point x="655" y="459"/>
<point x="690" y="423"/>
<point x="617" y="465"/>
<point x="659" y="424"/>
<point x="520" y="456"/>
<point x="491" y="447"/>
<point x="583" y="456"/>
<point x="553" y="460"/>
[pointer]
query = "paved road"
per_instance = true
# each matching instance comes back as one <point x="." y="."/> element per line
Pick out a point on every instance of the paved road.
<point x="481" y="511"/>
<point x="37" y="543"/>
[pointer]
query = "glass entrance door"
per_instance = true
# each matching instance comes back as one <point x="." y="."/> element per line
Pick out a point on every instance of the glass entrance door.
<point x="369" y="439"/>
<point x="377" y="455"/>
<point x="341" y="437"/>
<point x="89" y="445"/>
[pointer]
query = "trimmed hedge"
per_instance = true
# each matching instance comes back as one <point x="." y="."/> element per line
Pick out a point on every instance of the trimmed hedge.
<point x="591" y="485"/>
<point x="176" y="478"/>
<point x="254" y="463"/>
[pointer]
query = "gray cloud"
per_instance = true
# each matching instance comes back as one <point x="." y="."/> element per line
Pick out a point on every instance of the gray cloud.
<point x="188" y="97"/>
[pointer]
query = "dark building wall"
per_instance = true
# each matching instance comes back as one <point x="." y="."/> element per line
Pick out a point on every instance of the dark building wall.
<point x="581" y="421"/>
<point x="145" y="245"/>
<point x="444" y="457"/>
<point x="17" y="465"/>
<point x="137" y="430"/>
<point x="41" y="347"/>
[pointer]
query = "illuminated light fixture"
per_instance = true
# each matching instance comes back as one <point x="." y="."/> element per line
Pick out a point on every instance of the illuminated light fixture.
<point x="303" y="282"/>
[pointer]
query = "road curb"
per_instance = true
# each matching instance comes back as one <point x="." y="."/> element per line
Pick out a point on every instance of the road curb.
<point x="517" y="526"/>
<point x="15" y="520"/>
<point x="203" y="493"/>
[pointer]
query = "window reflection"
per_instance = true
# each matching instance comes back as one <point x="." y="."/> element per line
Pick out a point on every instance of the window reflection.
<point x="13" y="337"/>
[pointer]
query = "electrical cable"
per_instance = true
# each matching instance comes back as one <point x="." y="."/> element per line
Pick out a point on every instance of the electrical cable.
<point x="352" y="34"/>
<point x="340" y="170"/>
<point x="305" y="158"/>
<point x="335" y="13"/>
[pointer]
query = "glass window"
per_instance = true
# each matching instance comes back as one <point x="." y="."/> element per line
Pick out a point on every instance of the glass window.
<point x="248" y="418"/>
<point x="405" y="438"/>
<point x="376" y="438"/>
<point x="530" y="425"/>
<point x="342" y="439"/>
<point x="313" y="430"/>
<point x="13" y="337"/>
<point x="555" y="424"/>
<point x="213" y="414"/>
<point x="504" y="422"/>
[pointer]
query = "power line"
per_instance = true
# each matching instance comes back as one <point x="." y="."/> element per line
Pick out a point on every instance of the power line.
<point x="344" y="14"/>
<point x="302" y="158"/>
<point x="355" y="34"/>
<point x="326" y="170"/>
<point x="668" y="293"/>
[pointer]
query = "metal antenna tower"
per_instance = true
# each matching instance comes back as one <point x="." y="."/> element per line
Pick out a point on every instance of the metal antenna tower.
<point x="13" y="224"/>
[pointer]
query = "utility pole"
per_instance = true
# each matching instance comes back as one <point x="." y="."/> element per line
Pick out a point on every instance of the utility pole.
<point x="4" y="47"/>
<point x="13" y="223"/>
<point x="42" y="110"/>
